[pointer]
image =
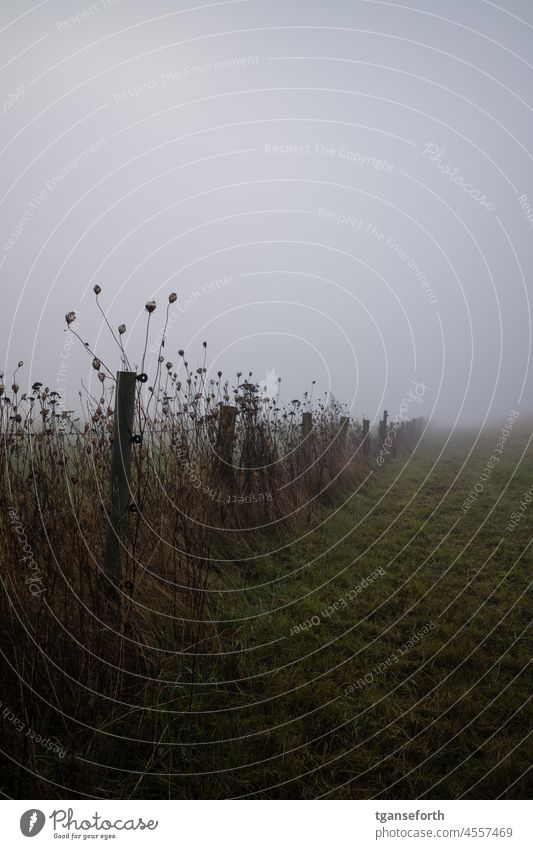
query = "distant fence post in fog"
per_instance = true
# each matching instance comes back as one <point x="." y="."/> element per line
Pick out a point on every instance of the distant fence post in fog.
<point x="226" y="440"/>
<point x="382" y="431"/>
<point x="120" y="477"/>
<point x="400" y="435"/>
<point x="366" y="436"/>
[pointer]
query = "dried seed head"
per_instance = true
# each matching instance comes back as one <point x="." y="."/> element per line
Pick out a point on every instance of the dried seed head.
<point x="204" y="344"/>
<point x="181" y="352"/>
<point x="97" y="289"/>
<point x="172" y="297"/>
<point x="150" y="306"/>
<point x="70" y="317"/>
<point x="21" y="363"/>
<point x="96" y="364"/>
<point x="160" y="359"/>
<point x="121" y="329"/>
<point x="101" y="376"/>
<point x="15" y="388"/>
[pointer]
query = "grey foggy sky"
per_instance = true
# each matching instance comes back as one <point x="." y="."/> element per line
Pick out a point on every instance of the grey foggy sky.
<point x="188" y="180"/>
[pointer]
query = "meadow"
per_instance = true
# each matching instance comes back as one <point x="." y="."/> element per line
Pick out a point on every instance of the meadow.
<point x="295" y="620"/>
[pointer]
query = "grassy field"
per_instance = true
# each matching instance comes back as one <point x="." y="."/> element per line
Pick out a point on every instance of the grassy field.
<point x="380" y="650"/>
<point x="416" y="685"/>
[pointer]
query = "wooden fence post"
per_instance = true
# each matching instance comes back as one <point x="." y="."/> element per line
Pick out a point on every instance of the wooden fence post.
<point x="382" y="431"/>
<point x="120" y="477"/>
<point x="366" y="436"/>
<point x="402" y="435"/>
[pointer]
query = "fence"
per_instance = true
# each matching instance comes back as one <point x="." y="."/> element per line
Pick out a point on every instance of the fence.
<point x="199" y="452"/>
<point x="338" y="444"/>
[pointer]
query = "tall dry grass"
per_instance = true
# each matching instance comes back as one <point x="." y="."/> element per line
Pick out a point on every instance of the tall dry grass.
<point x="72" y="662"/>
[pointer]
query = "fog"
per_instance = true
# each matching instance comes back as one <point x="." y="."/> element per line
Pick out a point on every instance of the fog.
<point x="339" y="192"/>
